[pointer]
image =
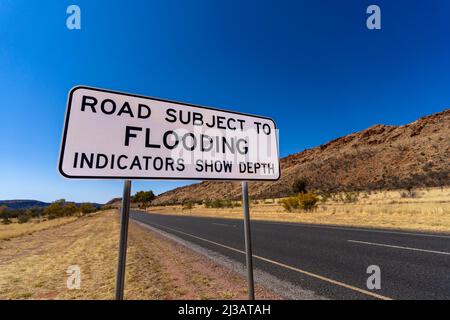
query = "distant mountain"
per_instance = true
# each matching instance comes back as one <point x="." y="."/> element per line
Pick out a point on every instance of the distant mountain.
<point x="113" y="201"/>
<point x="23" y="204"/>
<point x="26" y="204"/>
<point x="380" y="157"/>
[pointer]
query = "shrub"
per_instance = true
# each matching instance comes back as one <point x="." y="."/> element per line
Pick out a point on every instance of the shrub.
<point x="325" y="196"/>
<point x="55" y="209"/>
<point x="308" y="201"/>
<point x="349" y="197"/>
<point x="70" y="209"/>
<point x="36" y="212"/>
<point x="219" y="203"/>
<point x="409" y="193"/>
<point x="290" y="203"/>
<point x="23" y="218"/>
<point x="87" y="208"/>
<point x="188" y="205"/>
<point x="6" y="220"/>
<point x="299" y="186"/>
<point x="208" y="203"/>
<point x="5" y="213"/>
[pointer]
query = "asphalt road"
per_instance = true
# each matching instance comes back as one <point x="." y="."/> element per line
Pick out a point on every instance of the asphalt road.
<point x="330" y="261"/>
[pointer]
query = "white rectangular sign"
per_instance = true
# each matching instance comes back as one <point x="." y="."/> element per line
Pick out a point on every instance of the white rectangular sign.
<point x="114" y="135"/>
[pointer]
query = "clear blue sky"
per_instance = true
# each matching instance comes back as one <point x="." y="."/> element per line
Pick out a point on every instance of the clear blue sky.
<point x="311" y="65"/>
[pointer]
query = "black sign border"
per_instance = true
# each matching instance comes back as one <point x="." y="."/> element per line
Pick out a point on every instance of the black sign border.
<point x="66" y="122"/>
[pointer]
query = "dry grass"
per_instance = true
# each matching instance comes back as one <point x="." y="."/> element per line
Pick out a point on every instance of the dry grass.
<point x="33" y="266"/>
<point x="428" y="211"/>
<point x="8" y="231"/>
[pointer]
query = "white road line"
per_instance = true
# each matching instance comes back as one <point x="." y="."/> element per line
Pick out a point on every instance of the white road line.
<point x="299" y="224"/>
<point x="302" y="225"/>
<point x="310" y="274"/>
<point x="398" y="247"/>
<point x="220" y="224"/>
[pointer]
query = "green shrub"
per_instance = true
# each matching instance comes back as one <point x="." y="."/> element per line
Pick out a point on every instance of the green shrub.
<point x="23" y="218"/>
<point x="5" y="213"/>
<point x="87" y="208"/>
<point x="70" y="209"/>
<point x="299" y="185"/>
<point x="410" y="193"/>
<point x="188" y="205"/>
<point x="308" y="201"/>
<point x="325" y="196"/>
<point x="217" y="203"/>
<point x="36" y="212"/>
<point x="55" y="209"/>
<point x="290" y="203"/>
<point x="350" y="197"/>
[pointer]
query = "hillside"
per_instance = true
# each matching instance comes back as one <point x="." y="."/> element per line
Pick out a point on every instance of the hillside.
<point x="381" y="157"/>
<point x="27" y="204"/>
<point x="23" y="204"/>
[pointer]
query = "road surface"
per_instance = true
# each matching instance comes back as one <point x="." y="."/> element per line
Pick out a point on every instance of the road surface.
<point x="330" y="261"/>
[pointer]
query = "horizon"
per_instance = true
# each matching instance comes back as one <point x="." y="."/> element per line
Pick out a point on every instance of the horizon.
<point x="313" y="67"/>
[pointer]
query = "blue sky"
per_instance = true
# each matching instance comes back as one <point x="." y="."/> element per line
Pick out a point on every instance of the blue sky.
<point x="312" y="66"/>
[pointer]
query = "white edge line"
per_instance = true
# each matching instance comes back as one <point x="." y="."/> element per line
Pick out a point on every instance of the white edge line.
<point x="398" y="247"/>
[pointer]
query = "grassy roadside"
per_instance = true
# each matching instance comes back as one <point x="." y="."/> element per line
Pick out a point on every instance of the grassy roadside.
<point x="427" y="211"/>
<point x="8" y="231"/>
<point x="34" y="266"/>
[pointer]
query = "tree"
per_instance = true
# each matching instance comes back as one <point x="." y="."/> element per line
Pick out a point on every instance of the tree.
<point x="3" y="211"/>
<point x="87" y="208"/>
<point x="144" y="197"/>
<point x="70" y="209"/>
<point x="4" y="214"/>
<point x="299" y="185"/>
<point x="36" y="212"/>
<point x="55" y="210"/>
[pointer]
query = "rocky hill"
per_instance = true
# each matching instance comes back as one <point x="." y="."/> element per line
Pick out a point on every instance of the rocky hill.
<point x="381" y="157"/>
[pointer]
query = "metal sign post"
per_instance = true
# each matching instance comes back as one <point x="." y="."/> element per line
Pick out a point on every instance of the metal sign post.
<point x="248" y="242"/>
<point x="124" y="218"/>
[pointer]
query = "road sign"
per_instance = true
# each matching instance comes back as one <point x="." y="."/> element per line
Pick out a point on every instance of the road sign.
<point x="114" y="135"/>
